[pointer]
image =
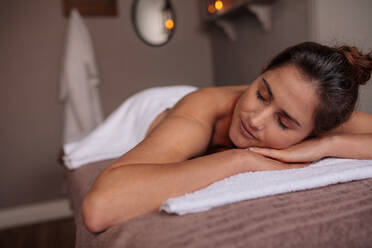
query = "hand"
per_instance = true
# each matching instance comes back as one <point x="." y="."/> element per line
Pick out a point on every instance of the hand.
<point x="306" y="151"/>
<point x="251" y="161"/>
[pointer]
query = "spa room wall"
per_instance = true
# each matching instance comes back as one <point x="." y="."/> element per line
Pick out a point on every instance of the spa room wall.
<point x="349" y="22"/>
<point x="293" y="21"/>
<point x="32" y="37"/>
<point x="241" y="61"/>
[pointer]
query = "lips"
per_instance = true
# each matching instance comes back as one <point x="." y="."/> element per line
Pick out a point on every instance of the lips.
<point x="246" y="133"/>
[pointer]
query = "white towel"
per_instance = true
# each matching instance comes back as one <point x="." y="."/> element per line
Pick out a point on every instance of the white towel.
<point x="79" y="81"/>
<point x="125" y="127"/>
<point x="252" y="185"/>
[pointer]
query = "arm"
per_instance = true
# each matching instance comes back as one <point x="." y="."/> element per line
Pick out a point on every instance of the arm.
<point x="165" y="147"/>
<point x="351" y="140"/>
<point x="357" y="146"/>
<point x="136" y="189"/>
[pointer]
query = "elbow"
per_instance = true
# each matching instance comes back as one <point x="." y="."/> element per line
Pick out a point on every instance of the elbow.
<point x="93" y="216"/>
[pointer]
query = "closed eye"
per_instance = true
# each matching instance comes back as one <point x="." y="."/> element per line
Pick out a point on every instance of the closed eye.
<point x="260" y="97"/>
<point x="282" y="117"/>
<point x="280" y="123"/>
<point x="279" y="119"/>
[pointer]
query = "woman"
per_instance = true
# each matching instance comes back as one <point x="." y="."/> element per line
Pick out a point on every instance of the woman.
<point x="300" y="109"/>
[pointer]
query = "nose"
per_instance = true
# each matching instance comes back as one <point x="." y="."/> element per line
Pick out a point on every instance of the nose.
<point x="259" y="119"/>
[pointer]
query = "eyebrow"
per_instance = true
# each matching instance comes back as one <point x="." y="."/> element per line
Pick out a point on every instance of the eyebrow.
<point x="267" y="85"/>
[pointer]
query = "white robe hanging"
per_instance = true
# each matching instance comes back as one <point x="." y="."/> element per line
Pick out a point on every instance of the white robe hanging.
<point x="79" y="81"/>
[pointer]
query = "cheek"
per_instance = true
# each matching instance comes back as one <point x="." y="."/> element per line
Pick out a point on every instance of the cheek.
<point x="279" y="142"/>
<point x="274" y="137"/>
<point x="280" y="139"/>
<point x="247" y="102"/>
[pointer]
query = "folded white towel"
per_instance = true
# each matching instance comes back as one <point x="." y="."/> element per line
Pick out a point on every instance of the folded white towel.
<point x="252" y="185"/>
<point x="125" y="127"/>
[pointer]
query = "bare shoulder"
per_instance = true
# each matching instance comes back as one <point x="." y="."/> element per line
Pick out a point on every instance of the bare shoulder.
<point x="190" y="106"/>
<point x="203" y="105"/>
<point x="359" y="123"/>
<point x="219" y="91"/>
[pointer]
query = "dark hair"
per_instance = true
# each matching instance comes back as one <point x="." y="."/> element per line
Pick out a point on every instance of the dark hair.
<point x="337" y="73"/>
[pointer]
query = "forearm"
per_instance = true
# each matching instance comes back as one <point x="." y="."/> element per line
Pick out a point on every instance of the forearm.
<point x="132" y="190"/>
<point x="358" y="146"/>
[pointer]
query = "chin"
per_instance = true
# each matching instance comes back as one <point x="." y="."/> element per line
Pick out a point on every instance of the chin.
<point x="238" y="140"/>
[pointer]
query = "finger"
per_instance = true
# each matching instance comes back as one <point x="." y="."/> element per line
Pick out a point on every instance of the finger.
<point x="272" y="153"/>
<point x="289" y="166"/>
<point x="267" y="163"/>
<point x="299" y="165"/>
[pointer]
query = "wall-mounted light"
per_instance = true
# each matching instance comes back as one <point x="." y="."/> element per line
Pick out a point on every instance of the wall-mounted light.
<point x="154" y="21"/>
<point x="168" y="16"/>
<point x="218" y="5"/>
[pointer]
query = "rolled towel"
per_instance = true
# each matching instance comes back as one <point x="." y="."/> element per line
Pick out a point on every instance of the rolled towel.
<point x="252" y="185"/>
<point x="125" y="127"/>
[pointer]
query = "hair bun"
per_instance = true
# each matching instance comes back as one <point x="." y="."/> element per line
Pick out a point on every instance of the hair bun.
<point x="361" y="64"/>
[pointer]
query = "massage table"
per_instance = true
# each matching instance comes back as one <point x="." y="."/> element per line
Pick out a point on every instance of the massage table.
<point x="338" y="215"/>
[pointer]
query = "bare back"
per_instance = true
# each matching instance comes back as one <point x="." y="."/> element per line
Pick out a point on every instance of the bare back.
<point x="197" y="124"/>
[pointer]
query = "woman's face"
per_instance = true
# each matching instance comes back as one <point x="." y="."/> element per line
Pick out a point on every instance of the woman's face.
<point x="276" y="110"/>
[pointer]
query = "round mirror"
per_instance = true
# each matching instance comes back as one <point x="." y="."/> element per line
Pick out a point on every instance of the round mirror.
<point x="153" y="20"/>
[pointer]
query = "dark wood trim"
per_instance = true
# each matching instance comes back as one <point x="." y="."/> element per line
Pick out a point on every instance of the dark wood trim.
<point x="91" y="8"/>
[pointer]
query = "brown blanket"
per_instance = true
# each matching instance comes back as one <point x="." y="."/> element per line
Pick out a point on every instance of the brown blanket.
<point x="334" y="216"/>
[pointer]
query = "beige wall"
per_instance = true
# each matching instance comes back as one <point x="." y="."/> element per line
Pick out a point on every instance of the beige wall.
<point x="31" y="45"/>
<point x="345" y="22"/>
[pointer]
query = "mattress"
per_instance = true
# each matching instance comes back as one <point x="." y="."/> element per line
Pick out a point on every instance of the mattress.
<point x="338" y="215"/>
